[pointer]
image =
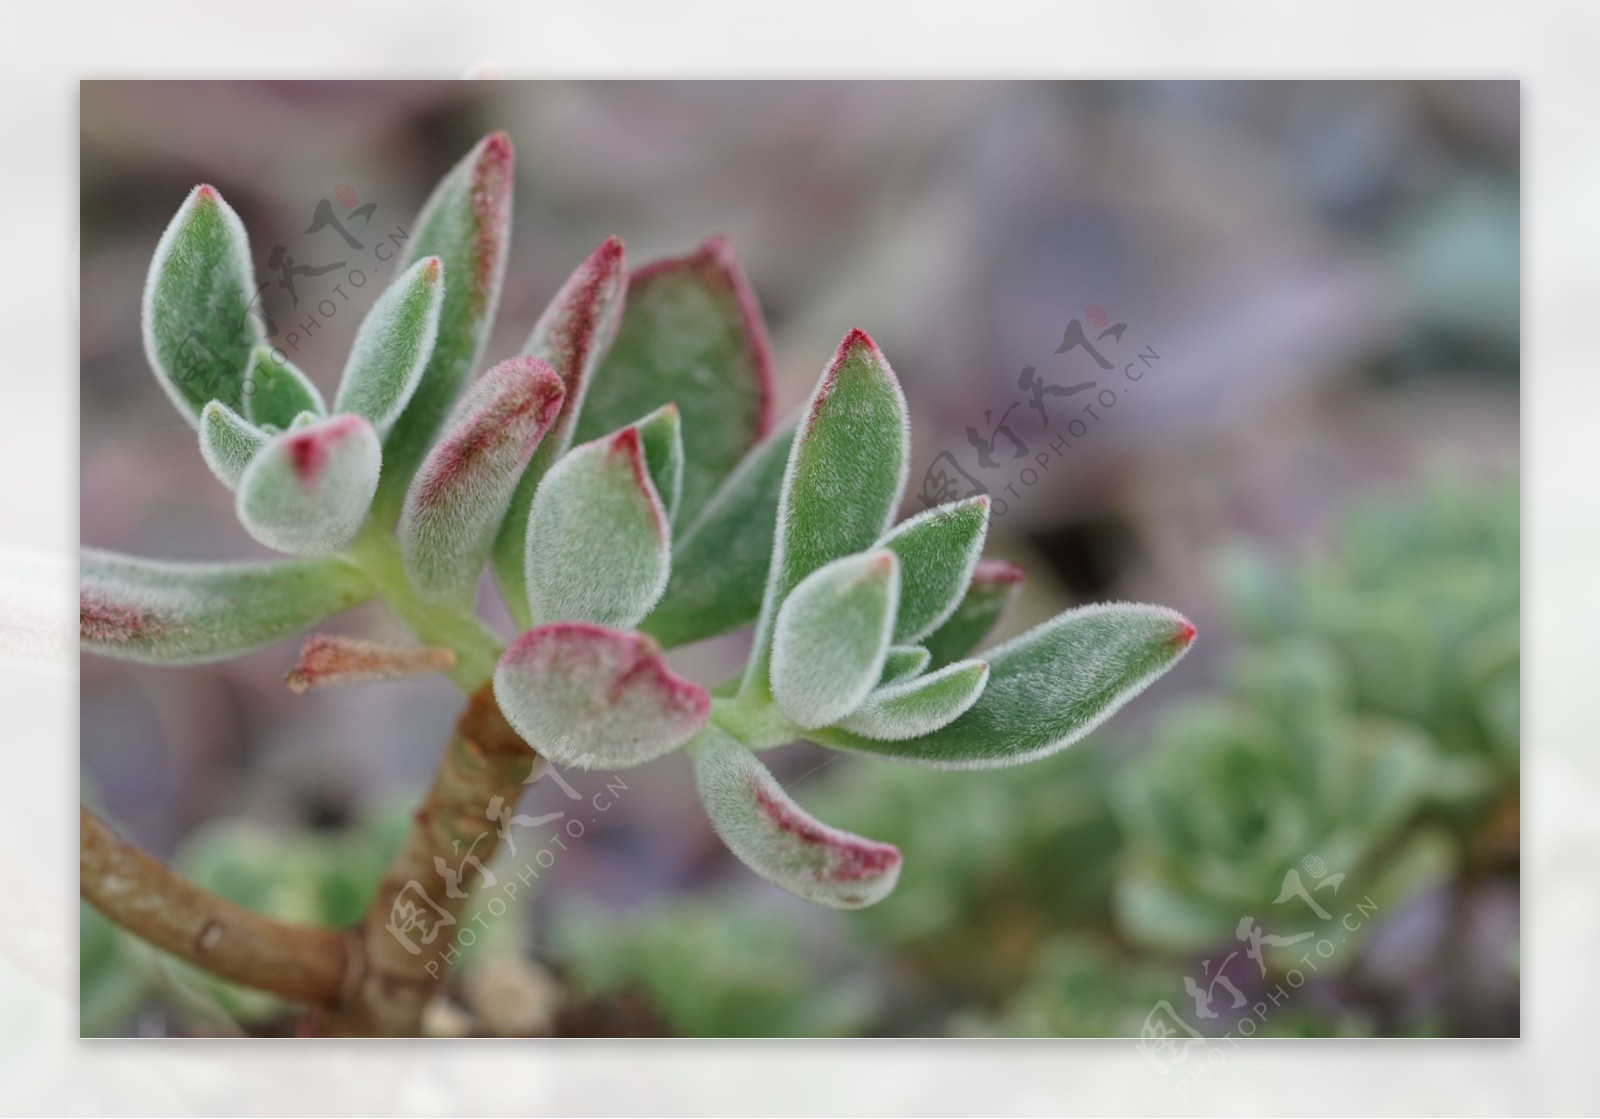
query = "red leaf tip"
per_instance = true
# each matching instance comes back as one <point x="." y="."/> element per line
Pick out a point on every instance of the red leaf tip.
<point x="856" y="338"/>
<point x="205" y="192"/>
<point x="997" y="572"/>
<point x="497" y="147"/>
<point x="431" y="271"/>
<point x="1185" y="634"/>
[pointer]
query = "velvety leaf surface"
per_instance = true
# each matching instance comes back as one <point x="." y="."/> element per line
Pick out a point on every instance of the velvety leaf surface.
<point x="329" y="660"/>
<point x="1047" y="688"/>
<point x="832" y="637"/>
<point x="307" y="491"/>
<point x="902" y="663"/>
<point x="466" y="223"/>
<point x="938" y="550"/>
<point x="190" y="613"/>
<point x="279" y="392"/>
<point x="720" y="561"/>
<point x="994" y="586"/>
<point x="591" y="697"/>
<point x="572" y="335"/>
<point x="777" y="839"/>
<point x="599" y="549"/>
<point x="198" y="324"/>
<point x="691" y="334"/>
<point x="460" y="494"/>
<point x="662" y="436"/>
<point x="918" y="706"/>
<point x="393" y="346"/>
<point x="228" y="442"/>
<point x="844" y="478"/>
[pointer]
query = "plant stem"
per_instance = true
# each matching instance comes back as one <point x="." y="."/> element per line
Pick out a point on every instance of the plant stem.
<point x="408" y="935"/>
<point x="477" y="647"/>
<point x="133" y="890"/>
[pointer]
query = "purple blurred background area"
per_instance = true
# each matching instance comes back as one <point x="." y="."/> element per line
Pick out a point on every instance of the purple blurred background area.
<point x="1328" y="274"/>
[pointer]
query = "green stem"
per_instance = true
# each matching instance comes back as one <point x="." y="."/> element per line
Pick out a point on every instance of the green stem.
<point x="476" y="646"/>
<point x="754" y="721"/>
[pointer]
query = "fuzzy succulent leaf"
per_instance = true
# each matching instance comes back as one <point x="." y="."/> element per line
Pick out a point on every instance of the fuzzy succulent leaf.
<point x="903" y="662"/>
<point x="459" y="495"/>
<point x="228" y="442"/>
<point x="994" y="586"/>
<point x="329" y="660"/>
<point x="279" y="392"/>
<point x="1047" y="688"/>
<point x="938" y="550"/>
<point x="466" y="223"/>
<point x="720" y="561"/>
<point x="571" y="337"/>
<point x="776" y="838"/>
<point x="586" y="696"/>
<point x="190" y="613"/>
<point x="843" y="481"/>
<point x="308" y="490"/>
<point x="832" y="637"/>
<point x="691" y="334"/>
<point x="599" y="548"/>
<point x="393" y="346"/>
<point x="912" y="708"/>
<point x="198" y="326"/>
<point x="662" y="436"/>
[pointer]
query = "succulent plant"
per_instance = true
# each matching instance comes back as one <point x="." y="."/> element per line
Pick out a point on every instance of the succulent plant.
<point x="622" y="478"/>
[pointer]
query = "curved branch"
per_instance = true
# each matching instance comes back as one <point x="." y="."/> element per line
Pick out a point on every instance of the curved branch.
<point x="137" y="892"/>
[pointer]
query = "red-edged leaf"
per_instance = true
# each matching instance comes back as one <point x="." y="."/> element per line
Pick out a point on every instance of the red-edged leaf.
<point x="328" y="660"/>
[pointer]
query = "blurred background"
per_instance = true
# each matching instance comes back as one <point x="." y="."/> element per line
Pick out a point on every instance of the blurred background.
<point x="1318" y="465"/>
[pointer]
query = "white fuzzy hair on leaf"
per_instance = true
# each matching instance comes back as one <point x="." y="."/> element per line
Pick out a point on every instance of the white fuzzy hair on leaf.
<point x="307" y="491"/>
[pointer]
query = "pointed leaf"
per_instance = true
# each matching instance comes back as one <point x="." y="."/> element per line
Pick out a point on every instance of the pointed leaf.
<point x="198" y="327"/>
<point x="189" y="613"/>
<point x="586" y="696"/>
<point x="832" y="637"/>
<point x="599" y="549"/>
<point x="228" y="442"/>
<point x="777" y="839"/>
<point x="720" y="561"/>
<point x="844" y="478"/>
<point x="1047" y="688"/>
<point x="329" y="660"/>
<point x="460" y="494"/>
<point x="903" y="662"/>
<point x="307" y="491"/>
<point x="994" y="587"/>
<point x="571" y="337"/>
<point x="691" y="334"/>
<point x="917" y="707"/>
<point x="393" y="346"/>
<point x="466" y="223"/>
<point x="938" y="550"/>
<point x="662" y="437"/>
<point x="279" y="391"/>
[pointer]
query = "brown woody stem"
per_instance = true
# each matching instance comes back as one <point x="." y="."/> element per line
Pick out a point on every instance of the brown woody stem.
<point x="298" y="962"/>
<point x="407" y="937"/>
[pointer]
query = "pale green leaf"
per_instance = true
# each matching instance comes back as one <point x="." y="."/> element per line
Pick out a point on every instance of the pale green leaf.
<point x="278" y="391"/>
<point x="393" y="346"/>
<point x="832" y="637"/>
<point x="938" y="550"/>
<point x="902" y="663"/>
<point x="228" y="442"/>
<point x="994" y="586"/>
<point x="307" y="491"/>
<point x="916" y="707"/>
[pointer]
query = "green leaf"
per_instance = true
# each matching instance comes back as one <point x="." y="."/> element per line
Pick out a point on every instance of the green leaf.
<point x="198" y="327"/>
<point x="720" y="561"/>
<point x="843" y="481"/>
<point x="994" y="586"/>
<point x="466" y="223"/>
<point x="662" y="436"/>
<point x="903" y="662"/>
<point x="460" y="494"/>
<point x="393" y="346"/>
<point x="279" y="391"/>
<point x="832" y="637"/>
<point x="307" y="491"/>
<point x="599" y="549"/>
<point x="774" y="836"/>
<point x="228" y="442"/>
<point x="691" y="334"/>
<point x="571" y="337"/>
<point x="189" y="613"/>
<point x="1047" y="688"/>
<point x="586" y="696"/>
<point x="938" y="550"/>
<point x="920" y="706"/>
